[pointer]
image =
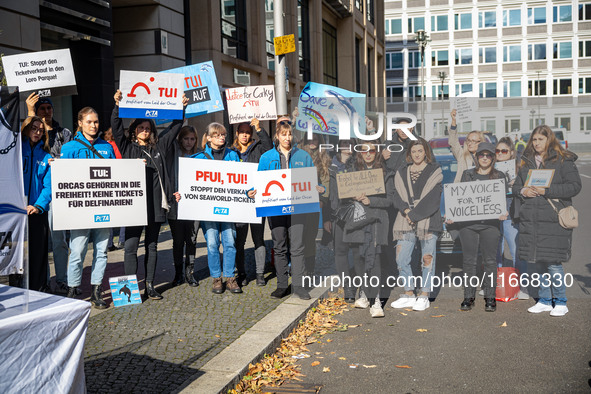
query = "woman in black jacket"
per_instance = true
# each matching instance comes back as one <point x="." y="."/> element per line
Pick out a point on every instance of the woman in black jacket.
<point x="250" y="151"/>
<point x="542" y="240"/>
<point x="143" y="143"/>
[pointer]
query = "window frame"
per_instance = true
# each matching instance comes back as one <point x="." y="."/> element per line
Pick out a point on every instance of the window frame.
<point x="556" y="13"/>
<point x="531" y="16"/>
<point x="388" y="26"/>
<point x="435" y="23"/>
<point x="458" y="21"/>
<point x="507" y="17"/>
<point x="557" y="48"/>
<point x="389" y="57"/>
<point x="483" y="89"/>
<point x="584" y="12"/>
<point x="435" y="60"/>
<point x="533" y="86"/>
<point x="482" y="54"/>
<point x="507" y="86"/>
<point x="241" y="27"/>
<point x="412" y="25"/>
<point x="482" y="19"/>
<point x="584" y="84"/>
<point x="507" y="53"/>
<point x="460" y="88"/>
<point x="531" y="51"/>
<point x="459" y="56"/>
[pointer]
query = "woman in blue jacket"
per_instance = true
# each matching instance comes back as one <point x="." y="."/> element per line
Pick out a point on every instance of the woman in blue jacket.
<point x="37" y="182"/>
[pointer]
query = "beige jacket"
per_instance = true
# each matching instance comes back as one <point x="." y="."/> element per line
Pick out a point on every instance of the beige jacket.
<point x="464" y="162"/>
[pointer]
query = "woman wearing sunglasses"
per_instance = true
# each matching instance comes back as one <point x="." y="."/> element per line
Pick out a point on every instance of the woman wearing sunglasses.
<point x="505" y="151"/>
<point x="481" y="234"/>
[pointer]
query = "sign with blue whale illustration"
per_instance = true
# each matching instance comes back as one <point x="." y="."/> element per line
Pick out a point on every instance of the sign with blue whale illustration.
<point x="125" y="290"/>
<point x="326" y="109"/>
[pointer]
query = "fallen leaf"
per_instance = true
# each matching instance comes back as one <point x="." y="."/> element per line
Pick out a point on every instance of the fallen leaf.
<point x="369" y="366"/>
<point x="435" y="307"/>
<point x="329" y="340"/>
<point x="504" y="324"/>
<point x="421" y="329"/>
<point x="403" y="314"/>
<point x="315" y="363"/>
<point x="332" y="352"/>
<point x="180" y="340"/>
<point x="325" y="369"/>
<point x="403" y="366"/>
<point x="319" y="357"/>
<point x="217" y="336"/>
<point x="342" y="358"/>
<point x="353" y="366"/>
<point x="408" y="309"/>
<point x="437" y="315"/>
<point x="317" y="353"/>
<point x="354" y="325"/>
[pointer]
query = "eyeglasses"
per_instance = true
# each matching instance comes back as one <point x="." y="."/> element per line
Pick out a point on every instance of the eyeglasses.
<point x="473" y="141"/>
<point x="503" y="151"/>
<point x="220" y="136"/>
<point x="285" y="122"/>
<point x="371" y="152"/>
<point x="487" y="155"/>
<point x="37" y="130"/>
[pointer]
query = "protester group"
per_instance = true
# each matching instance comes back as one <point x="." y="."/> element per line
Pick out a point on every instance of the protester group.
<point x="378" y="230"/>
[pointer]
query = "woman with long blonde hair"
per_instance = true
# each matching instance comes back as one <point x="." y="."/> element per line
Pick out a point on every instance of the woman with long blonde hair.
<point x="465" y="155"/>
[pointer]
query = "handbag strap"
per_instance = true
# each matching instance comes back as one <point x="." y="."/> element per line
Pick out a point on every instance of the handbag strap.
<point x="92" y="148"/>
<point x="552" y="204"/>
<point x="409" y="188"/>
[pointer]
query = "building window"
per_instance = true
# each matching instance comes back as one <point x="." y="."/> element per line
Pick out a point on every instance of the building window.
<point x="269" y="35"/>
<point x="563" y="50"/>
<point x="585" y="85"/>
<point x="414" y="59"/>
<point x="562" y="121"/>
<point x="394" y="61"/>
<point x="487" y="19"/>
<point x="585" y="12"/>
<point x="370" y="9"/>
<point x="562" y="13"/>
<point x="512" y="124"/>
<point x="533" y="122"/>
<point x="414" y="93"/>
<point x="415" y="24"/>
<point x="359" y="5"/>
<point x="585" y="48"/>
<point x="329" y="44"/>
<point x="463" y="88"/>
<point x="563" y="86"/>
<point x="511" y="53"/>
<point x="536" y="88"/>
<point x="394" y="93"/>
<point x="439" y="23"/>
<point x="304" y="39"/>
<point x="536" y="52"/>
<point x="436" y="91"/>
<point x="512" y="17"/>
<point x="234" y="28"/>
<point x="487" y="55"/>
<point x="511" y="88"/>
<point x="464" y="56"/>
<point x="393" y="26"/>
<point x="488" y="89"/>
<point x="439" y="58"/>
<point x="586" y="122"/>
<point x="536" y="15"/>
<point x="488" y="125"/>
<point x="463" y="21"/>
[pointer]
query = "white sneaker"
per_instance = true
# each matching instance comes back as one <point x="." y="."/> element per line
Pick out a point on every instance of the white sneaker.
<point x="405" y="301"/>
<point x="481" y="293"/>
<point x="421" y="304"/>
<point x="361" y="302"/>
<point x="376" y="309"/>
<point x="522" y="295"/>
<point x="559" y="310"/>
<point x="539" y="308"/>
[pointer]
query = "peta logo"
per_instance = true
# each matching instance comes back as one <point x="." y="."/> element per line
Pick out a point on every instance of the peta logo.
<point x="289" y="209"/>
<point x="221" y="211"/>
<point x="5" y="243"/>
<point x="151" y="114"/>
<point x="102" y="218"/>
<point x="100" y="172"/>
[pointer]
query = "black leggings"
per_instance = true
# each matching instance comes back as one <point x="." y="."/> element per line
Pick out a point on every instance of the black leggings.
<point x="182" y="240"/>
<point x="485" y="237"/>
<point x="257" y="232"/>
<point x="341" y="258"/>
<point x="38" y="244"/>
<point x="132" y="240"/>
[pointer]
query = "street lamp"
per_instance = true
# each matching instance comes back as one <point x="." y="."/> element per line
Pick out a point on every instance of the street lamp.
<point x="442" y="77"/>
<point x="532" y="112"/>
<point x="539" y="94"/>
<point x="422" y="40"/>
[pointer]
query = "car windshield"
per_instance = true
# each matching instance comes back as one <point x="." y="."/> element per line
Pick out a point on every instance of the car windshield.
<point x="442" y="151"/>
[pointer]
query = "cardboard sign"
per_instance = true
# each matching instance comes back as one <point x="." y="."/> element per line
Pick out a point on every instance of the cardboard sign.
<point x="284" y="44"/>
<point x="508" y="167"/>
<point x="151" y="95"/>
<point x="245" y="103"/>
<point x="98" y="193"/>
<point x="215" y="190"/>
<point x="286" y="192"/>
<point x="478" y="200"/>
<point x="320" y="107"/>
<point x="539" y="178"/>
<point x="353" y="184"/>
<point x="466" y="105"/>
<point x="50" y="73"/>
<point x="124" y="290"/>
<point x="201" y="88"/>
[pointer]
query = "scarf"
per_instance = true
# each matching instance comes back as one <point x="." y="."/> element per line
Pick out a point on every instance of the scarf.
<point x="401" y="226"/>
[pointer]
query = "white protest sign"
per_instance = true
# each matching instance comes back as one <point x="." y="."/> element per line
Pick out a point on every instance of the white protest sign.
<point x="151" y="95"/>
<point x="215" y="190"/>
<point x="49" y="72"/>
<point x="98" y="193"/>
<point x="245" y="103"/>
<point x="508" y="167"/>
<point x="478" y="200"/>
<point x="284" y="192"/>
<point x="466" y="105"/>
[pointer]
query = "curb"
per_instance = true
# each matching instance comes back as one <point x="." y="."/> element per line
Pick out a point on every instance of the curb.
<point x="225" y="370"/>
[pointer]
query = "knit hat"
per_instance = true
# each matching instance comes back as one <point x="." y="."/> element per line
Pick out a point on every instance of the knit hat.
<point x="43" y="100"/>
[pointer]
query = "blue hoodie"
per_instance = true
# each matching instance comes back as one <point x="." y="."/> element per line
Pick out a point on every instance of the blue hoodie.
<point x="229" y="154"/>
<point x="36" y="175"/>
<point x="77" y="150"/>
<point x="271" y="160"/>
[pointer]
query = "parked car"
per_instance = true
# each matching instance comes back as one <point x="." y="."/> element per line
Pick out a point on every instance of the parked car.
<point x="440" y="145"/>
<point x="559" y="132"/>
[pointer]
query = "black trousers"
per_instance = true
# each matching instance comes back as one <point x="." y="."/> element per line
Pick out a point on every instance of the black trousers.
<point x="288" y="237"/>
<point x="257" y="231"/>
<point x="38" y="251"/>
<point x="132" y="240"/>
<point x="182" y="240"/>
<point x="485" y="237"/>
<point x="341" y="258"/>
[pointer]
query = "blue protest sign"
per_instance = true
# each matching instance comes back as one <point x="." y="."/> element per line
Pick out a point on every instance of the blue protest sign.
<point x="124" y="290"/>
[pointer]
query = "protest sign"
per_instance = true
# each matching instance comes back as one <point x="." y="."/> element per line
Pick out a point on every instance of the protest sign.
<point x="215" y="190"/>
<point x="98" y="193"/>
<point x="539" y="178"/>
<point x="245" y="103"/>
<point x="201" y="88"/>
<point x="466" y="105"/>
<point x="284" y="44"/>
<point x="151" y="95"/>
<point x="284" y="192"/>
<point x="124" y="290"/>
<point x="321" y="106"/>
<point x="478" y="200"/>
<point x="369" y="182"/>
<point x="508" y="167"/>
<point x="49" y="73"/>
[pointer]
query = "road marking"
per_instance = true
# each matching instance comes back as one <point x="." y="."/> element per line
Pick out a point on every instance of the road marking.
<point x="586" y="176"/>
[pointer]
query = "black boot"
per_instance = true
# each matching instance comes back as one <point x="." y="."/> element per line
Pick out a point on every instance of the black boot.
<point x="151" y="292"/>
<point x="190" y="276"/>
<point x="72" y="292"/>
<point x="261" y="280"/>
<point x="179" y="277"/>
<point x="96" y="297"/>
<point x="467" y="304"/>
<point x="490" y="304"/>
<point x="242" y="279"/>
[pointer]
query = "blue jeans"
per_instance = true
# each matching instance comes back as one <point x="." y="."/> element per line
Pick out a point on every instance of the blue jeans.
<point x="212" y="232"/>
<point x="78" y="247"/>
<point x="59" y="245"/>
<point x="552" y="288"/>
<point x="404" y="251"/>
<point x="510" y="232"/>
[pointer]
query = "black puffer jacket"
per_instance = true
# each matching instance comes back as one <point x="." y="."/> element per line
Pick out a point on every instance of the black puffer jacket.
<point x="256" y="149"/>
<point x="541" y="238"/>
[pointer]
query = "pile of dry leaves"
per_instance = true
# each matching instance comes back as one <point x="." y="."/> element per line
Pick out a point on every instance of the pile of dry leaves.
<point x="276" y="368"/>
